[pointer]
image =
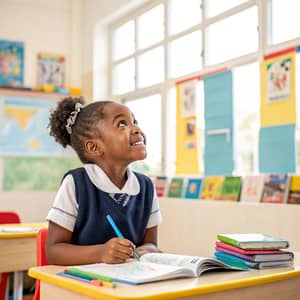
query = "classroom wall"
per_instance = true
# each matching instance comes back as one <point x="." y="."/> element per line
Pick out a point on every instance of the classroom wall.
<point x="67" y="27"/>
<point x="70" y="28"/>
<point x="76" y="29"/>
<point x="44" y="26"/>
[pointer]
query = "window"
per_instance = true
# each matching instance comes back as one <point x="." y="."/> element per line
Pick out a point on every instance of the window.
<point x="150" y="124"/>
<point x="170" y="132"/>
<point x="123" y="41"/>
<point x="185" y="55"/>
<point x="151" y="27"/>
<point x="215" y="7"/>
<point x="148" y="74"/>
<point x="285" y="20"/>
<point x="183" y="14"/>
<point x="123" y="77"/>
<point x="168" y="40"/>
<point x="246" y="116"/>
<point x="232" y="37"/>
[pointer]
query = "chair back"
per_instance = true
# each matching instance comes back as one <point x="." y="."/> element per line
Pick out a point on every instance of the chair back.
<point x="9" y="217"/>
<point x="6" y="217"/>
<point x="41" y="247"/>
<point x="40" y="257"/>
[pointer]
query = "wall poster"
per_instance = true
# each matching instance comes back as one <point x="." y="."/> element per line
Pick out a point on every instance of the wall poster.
<point x="51" y="70"/>
<point x="279" y="79"/>
<point x="11" y="63"/>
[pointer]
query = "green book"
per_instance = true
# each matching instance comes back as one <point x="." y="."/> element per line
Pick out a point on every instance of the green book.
<point x="231" y="188"/>
<point x="176" y="187"/>
<point x="257" y="241"/>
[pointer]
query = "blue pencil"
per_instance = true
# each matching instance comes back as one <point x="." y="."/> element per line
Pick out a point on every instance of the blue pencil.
<point x="118" y="232"/>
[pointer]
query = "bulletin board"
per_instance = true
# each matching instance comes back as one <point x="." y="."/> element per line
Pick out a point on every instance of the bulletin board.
<point x="27" y="174"/>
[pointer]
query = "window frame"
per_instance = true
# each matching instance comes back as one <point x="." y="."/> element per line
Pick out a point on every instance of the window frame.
<point x="265" y="47"/>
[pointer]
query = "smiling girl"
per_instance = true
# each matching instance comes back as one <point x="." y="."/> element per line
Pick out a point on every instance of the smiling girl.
<point x="107" y="139"/>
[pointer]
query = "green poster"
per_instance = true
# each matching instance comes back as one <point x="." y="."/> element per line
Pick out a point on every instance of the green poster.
<point x="25" y="174"/>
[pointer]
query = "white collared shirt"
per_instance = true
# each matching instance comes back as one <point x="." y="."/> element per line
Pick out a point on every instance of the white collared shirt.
<point x="65" y="207"/>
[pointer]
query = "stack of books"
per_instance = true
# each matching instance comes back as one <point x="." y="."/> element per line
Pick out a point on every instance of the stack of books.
<point x="254" y="250"/>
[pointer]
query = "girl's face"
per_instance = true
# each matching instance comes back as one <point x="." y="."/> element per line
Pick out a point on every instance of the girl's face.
<point x="122" y="139"/>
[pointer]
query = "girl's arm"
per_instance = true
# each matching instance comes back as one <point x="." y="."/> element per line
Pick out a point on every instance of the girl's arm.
<point x="149" y="242"/>
<point x="61" y="251"/>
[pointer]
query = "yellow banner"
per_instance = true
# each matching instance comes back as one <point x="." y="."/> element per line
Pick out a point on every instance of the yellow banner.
<point x="187" y="144"/>
<point x="278" y="99"/>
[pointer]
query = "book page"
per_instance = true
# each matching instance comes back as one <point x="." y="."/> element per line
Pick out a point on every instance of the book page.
<point x="153" y="267"/>
<point x="192" y="263"/>
<point x="195" y="264"/>
<point x="135" y="272"/>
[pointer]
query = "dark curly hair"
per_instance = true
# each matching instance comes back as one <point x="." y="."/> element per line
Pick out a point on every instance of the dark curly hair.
<point x="85" y="126"/>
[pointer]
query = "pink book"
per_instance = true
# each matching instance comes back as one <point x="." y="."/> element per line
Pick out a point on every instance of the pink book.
<point x="259" y="257"/>
<point x="243" y="251"/>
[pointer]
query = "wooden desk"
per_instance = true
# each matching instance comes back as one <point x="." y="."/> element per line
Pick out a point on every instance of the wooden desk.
<point x="230" y="285"/>
<point x="18" y="253"/>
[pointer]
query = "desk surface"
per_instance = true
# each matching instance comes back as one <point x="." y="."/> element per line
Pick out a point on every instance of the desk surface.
<point x="23" y="230"/>
<point x="207" y="284"/>
<point x="18" y="249"/>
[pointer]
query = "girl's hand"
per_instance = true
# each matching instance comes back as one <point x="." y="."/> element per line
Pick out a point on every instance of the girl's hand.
<point x="147" y="248"/>
<point x="117" y="250"/>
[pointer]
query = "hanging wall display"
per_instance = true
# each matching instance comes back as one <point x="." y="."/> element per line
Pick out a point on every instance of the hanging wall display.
<point x="11" y="63"/>
<point x="277" y="150"/>
<point x="278" y="100"/>
<point x="219" y="126"/>
<point x="279" y="79"/>
<point x="51" y="70"/>
<point x="188" y="96"/>
<point x="187" y="141"/>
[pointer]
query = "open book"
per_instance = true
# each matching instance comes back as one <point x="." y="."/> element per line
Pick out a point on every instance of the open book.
<point x="151" y="267"/>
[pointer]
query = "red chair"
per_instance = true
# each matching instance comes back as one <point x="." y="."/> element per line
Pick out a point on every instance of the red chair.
<point x="6" y="217"/>
<point x="40" y="257"/>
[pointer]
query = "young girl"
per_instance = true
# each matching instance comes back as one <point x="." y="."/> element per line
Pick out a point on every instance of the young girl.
<point x="106" y="138"/>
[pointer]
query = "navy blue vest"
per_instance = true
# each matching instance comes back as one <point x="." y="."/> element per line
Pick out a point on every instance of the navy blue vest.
<point x="91" y="225"/>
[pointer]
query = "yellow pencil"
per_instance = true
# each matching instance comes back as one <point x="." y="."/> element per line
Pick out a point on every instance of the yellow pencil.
<point x="109" y="284"/>
<point x="97" y="282"/>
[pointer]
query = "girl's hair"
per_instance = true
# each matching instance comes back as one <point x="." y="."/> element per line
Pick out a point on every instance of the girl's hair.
<point x="85" y="126"/>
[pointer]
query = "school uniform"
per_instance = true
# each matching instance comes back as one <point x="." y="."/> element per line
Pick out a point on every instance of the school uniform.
<point x="87" y="195"/>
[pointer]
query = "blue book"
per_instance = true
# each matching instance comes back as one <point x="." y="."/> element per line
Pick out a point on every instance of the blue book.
<point x="239" y="262"/>
<point x="193" y="188"/>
